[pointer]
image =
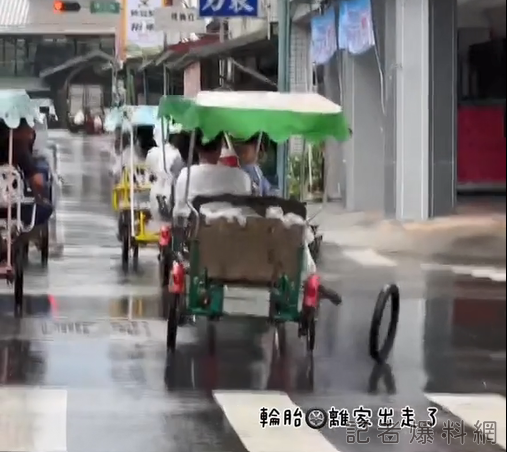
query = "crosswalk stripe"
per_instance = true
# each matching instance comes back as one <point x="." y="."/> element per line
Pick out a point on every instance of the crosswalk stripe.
<point x="472" y="408"/>
<point x="33" y="419"/>
<point x="242" y="410"/>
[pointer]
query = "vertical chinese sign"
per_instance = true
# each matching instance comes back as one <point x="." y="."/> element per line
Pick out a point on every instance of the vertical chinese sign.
<point x="137" y="35"/>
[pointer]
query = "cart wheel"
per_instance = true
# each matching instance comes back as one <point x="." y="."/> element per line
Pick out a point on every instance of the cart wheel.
<point x="135" y="258"/>
<point x="172" y="321"/>
<point x="125" y="250"/>
<point x="380" y="352"/>
<point x="211" y="333"/>
<point x="44" y="246"/>
<point x="19" y="277"/>
<point x="310" y="333"/>
<point x="164" y="266"/>
<point x="281" y="338"/>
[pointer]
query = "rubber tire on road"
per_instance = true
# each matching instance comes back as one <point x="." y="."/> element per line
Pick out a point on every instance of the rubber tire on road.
<point x="281" y="332"/>
<point x="380" y="352"/>
<point x="44" y="246"/>
<point x="135" y="258"/>
<point x="19" y="282"/>
<point x="172" y="321"/>
<point x="311" y="323"/>
<point x="125" y="252"/>
<point x="164" y="267"/>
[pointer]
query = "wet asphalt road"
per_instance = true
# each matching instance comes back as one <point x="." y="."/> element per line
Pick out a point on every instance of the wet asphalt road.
<point x="87" y="370"/>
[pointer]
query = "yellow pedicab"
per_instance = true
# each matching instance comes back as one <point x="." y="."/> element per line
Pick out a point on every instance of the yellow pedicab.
<point x="131" y="195"/>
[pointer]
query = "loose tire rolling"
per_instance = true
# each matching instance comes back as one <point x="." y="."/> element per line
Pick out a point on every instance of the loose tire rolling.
<point x="380" y="352"/>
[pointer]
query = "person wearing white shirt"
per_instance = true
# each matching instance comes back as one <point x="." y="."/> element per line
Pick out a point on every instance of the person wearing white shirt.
<point x="208" y="178"/>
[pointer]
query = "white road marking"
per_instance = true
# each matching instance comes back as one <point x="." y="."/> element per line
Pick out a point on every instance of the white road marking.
<point x="493" y="273"/>
<point x="369" y="258"/>
<point x="476" y="407"/>
<point x="242" y="411"/>
<point x="78" y="251"/>
<point x="75" y="290"/>
<point x="33" y="419"/>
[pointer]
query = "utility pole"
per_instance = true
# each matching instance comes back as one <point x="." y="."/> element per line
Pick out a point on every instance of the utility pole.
<point x="223" y="63"/>
<point x="283" y="86"/>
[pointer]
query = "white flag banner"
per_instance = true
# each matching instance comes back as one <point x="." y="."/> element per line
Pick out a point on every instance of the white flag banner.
<point x="355" y="26"/>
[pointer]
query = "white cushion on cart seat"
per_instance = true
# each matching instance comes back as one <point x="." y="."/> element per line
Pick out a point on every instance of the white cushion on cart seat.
<point x="12" y="187"/>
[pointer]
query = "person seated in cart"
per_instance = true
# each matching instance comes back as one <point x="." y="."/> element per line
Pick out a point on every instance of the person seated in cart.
<point x="144" y="141"/>
<point x="248" y="158"/>
<point x="23" y="140"/>
<point x="208" y="177"/>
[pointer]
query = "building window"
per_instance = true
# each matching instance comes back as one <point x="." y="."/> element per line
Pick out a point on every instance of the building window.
<point x="107" y="45"/>
<point x="17" y="57"/>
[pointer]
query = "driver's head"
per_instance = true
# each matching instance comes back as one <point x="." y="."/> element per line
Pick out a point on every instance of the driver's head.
<point x="247" y="150"/>
<point x="208" y="152"/>
<point x="145" y="138"/>
<point x="24" y="133"/>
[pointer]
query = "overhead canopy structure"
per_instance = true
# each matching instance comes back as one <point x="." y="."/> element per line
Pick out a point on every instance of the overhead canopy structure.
<point x="176" y="51"/>
<point x="244" y="114"/>
<point x="251" y="42"/>
<point x="90" y="57"/>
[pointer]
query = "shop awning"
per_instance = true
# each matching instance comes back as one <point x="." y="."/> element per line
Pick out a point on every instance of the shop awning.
<point x="97" y="55"/>
<point x="248" y="42"/>
<point x="178" y="50"/>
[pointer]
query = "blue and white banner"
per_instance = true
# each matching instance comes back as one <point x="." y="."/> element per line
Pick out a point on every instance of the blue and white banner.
<point x="324" y="43"/>
<point x="355" y="26"/>
<point x="228" y="8"/>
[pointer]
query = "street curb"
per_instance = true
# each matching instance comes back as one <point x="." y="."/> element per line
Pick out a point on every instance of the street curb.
<point x="494" y="223"/>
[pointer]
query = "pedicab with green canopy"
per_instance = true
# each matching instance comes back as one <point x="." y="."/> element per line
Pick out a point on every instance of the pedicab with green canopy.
<point x="260" y="241"/>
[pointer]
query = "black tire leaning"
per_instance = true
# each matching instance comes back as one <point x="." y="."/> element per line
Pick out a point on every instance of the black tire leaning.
<point x="380" y="352"/>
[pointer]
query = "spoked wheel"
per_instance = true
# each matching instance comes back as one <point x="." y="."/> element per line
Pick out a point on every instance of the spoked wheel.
<point x="125" y="252"/>
<point x="19" y="282"/>
<point x="135" y="257"/>
<point x="380" y="351"/>
<point x="44" y="246"/>
<point x="310" y="335"/>
<point x="173" y="320"/>
<point x="165" y="266"/>
<point x="211" y="333"/>
<point x="281" y="338"/>
<point x="308" y="326"/>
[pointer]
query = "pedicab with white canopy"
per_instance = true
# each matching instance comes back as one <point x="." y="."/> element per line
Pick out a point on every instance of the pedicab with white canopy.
<point x="256" y="241"/>
<point x="15" y="105"/>
<point x="45" y="150"/>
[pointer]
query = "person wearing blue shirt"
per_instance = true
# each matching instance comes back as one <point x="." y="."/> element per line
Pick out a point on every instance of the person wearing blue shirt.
<point x="248" y="156"/>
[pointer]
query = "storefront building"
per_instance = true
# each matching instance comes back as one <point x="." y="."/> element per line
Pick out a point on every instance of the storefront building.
<point x="409" y="98"/>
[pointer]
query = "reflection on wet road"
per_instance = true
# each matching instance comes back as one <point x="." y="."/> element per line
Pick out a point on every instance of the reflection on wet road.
<point x="87" y="370"/>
